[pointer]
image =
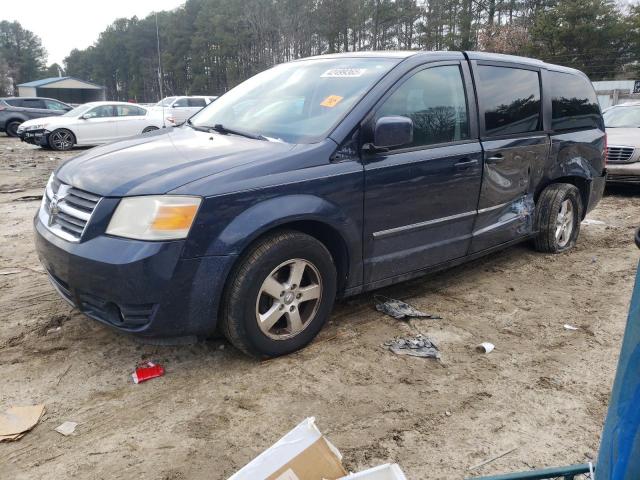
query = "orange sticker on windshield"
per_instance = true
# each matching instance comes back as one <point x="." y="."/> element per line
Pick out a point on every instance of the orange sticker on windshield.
<point x="331" y="101"/>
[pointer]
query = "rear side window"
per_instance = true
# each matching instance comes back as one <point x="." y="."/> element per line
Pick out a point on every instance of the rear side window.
<point x="197" y="102"/>
<point x="435" y="100"/>
<point x="14" y="102"/>
<point x="130" y="111"/>
<point x="33" y="103"/>
<point x="574" y="104"/>
<point x="510" y="99"/>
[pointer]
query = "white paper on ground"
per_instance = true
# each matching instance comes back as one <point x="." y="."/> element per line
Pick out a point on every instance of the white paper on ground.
<point x="388" y="471"/>
<point x="67" y="428"/>
<point x="281" y="452"/>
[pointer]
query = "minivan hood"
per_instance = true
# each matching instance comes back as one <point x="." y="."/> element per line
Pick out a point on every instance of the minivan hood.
<point x="621" y="137"/>
<point x="162" y="161"/>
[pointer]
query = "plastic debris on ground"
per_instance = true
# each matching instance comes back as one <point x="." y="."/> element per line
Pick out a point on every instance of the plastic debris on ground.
<point x="18" y="420"/>
<point x="399" y="310"/>
<point x="485" y="347"/>
<point x="418" y="346"/>
<point x="302" y="454"/>
<point x="147" y="371"/>
<point x="570" y="327"/>
<point x="67" y="428"/>
<point x="591" y="221"/>
<point x="388" y="471"/>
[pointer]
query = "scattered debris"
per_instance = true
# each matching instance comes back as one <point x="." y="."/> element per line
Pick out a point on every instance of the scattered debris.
<point x="388" y="471"/>
<point x="399" y="310"/>
<point x="146" y="371"/>
<point x="54" y="330"/>
<point x="417" y="346"/>
<point x="10" y="271"/>
<point x="485" y="347"/>
<point x="28" y="198"/>
<point x="17" y="421"/>
<point x="482" y="464"/>
<point x="591" y="221"/>
<point x="63" y="374"/>
<point x="447" y="413"/>
<point x="13" y="190"/>
<point x="570" y="327"/>
<point x="67" y="428"/>
<point x="302" y="454"/>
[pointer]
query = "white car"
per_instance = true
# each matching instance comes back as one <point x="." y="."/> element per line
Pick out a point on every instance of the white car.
<point x="91" y="124"/>
<point x="180" y="109"/>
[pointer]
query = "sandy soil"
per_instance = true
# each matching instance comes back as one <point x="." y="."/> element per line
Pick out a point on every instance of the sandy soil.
<point x="543" y="390"/>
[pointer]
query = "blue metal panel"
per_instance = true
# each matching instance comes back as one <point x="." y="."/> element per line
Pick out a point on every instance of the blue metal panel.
<point x="619" y="456"/>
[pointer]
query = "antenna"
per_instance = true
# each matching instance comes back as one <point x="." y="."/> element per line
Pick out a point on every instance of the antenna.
<point x="160" y="71"/>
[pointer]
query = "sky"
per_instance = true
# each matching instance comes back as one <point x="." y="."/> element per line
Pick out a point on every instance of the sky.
<point x="68" y="24"/>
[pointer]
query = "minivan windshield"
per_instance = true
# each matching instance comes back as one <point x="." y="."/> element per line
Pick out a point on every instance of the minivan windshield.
<point x="76" y="112"/>
<point x="297" y="102"/>
<point x="622" y="117"/>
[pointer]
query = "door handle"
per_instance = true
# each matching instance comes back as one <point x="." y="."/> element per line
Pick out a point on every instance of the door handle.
<point x="461" y="165"/>
<point x="494" y="158"/>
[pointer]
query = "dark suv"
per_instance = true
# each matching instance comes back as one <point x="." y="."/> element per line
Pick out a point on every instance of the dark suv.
<point x="15" y="110"/>
<point x="322" y="177"/>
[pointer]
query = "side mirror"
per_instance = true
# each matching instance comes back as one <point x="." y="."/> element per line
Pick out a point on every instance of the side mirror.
<point x="84" y="117"/>
<point x="392" y="132"/>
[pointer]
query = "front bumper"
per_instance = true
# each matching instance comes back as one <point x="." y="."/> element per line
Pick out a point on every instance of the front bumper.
<point x="35" y="137"/>
<point x="623" y="173"/>
<point x="135" y="286"/>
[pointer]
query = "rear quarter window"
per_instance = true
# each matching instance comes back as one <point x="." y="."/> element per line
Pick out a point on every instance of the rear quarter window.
<point x="510" y="100"/>
<point x="574" y="104"/>
<point x="13" y="102"/>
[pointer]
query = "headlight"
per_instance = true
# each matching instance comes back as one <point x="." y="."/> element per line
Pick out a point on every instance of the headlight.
<point x="156" y="217"/>
<point x="39" y="126"/>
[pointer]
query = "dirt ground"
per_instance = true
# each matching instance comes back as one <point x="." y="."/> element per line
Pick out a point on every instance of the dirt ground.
<point x="544" y="390"/>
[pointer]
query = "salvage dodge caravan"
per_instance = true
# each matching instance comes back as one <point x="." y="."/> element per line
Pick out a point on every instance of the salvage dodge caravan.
<point x="321" y="178"/>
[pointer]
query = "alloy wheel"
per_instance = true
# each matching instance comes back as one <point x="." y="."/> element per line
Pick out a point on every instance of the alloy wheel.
<point x="62" y="140"/>
<point x="564" y="223"/>
<point x="288" y="299"/>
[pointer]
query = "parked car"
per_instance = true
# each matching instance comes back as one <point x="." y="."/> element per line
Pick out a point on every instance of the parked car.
<point x="623" y="135"/>
<point x="91" y="124"/>
<point x="15" y="110"/>
<point x="322" y="177"/>
<point x="181" y="108"/>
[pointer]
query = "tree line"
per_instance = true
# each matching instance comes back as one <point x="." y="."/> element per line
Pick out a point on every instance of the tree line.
<point x="209" y="46"/>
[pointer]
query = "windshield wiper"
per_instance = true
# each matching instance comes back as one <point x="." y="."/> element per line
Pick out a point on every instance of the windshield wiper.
<point x="218" y="127"/>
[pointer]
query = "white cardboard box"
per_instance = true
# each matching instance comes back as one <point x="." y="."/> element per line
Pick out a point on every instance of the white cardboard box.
<point x="388" y="471"/>
<point x="302" y="454"/>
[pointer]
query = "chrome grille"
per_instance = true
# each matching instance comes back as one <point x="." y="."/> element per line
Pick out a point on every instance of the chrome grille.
<point x="619" y="154"/>
<point x="66" y="210"/>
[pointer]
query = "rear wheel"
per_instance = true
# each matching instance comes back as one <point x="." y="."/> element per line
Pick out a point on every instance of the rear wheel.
<point x="12" y="128"/>
<point x="61" y="139"/>
<point x="558" y="216"/>
<point x="280" y="295"/>
<point x="149" y="129"/>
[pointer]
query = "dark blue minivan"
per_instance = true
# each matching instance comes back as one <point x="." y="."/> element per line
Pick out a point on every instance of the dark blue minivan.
<point x="323" y="177"/>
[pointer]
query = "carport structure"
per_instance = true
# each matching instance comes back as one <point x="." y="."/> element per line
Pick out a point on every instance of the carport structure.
<point x="65" y="89"/>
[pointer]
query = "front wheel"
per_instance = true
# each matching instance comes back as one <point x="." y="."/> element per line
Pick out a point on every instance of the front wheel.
<point x="558" y="217"/>
<point x="12" y="128"/>
<point x="280" y="295"/>
<point x="61" y="139"/>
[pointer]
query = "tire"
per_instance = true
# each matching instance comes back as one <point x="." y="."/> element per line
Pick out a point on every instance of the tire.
<point x="12" y="128"/>
<point x="275" y="264"/>
<point x="149" y="129"/>
<point x="61" y="139"/>
<point x="558" y="216"/>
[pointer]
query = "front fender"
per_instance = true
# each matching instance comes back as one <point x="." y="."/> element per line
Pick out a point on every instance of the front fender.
<point x="275" y="212"/>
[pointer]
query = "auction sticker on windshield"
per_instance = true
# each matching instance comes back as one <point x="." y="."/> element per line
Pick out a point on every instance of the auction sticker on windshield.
<point x="343" y="72"/>
<point x="331" y="101"/>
